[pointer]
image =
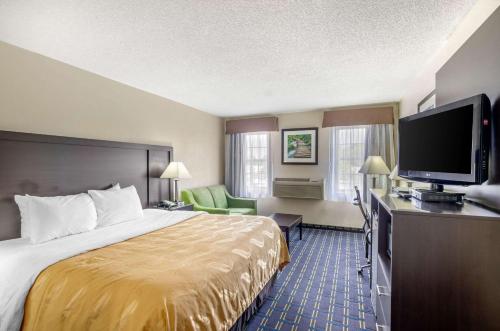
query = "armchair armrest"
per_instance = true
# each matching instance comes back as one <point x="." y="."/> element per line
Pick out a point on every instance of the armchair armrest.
<point x="233" y="202"/>
<point x="187" y="197"/>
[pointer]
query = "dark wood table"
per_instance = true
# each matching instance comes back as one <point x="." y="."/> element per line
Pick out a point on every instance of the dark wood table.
<point x="287" y="222"/>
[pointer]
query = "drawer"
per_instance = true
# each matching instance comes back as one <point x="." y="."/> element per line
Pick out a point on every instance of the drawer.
<point x="382" y="324"/>
<point x="382" y="276"/>
<point x="373" y="259"/>
<point x="382" y="327"/>
<point x="383" y="293"/>
<point x="383" y="305"/>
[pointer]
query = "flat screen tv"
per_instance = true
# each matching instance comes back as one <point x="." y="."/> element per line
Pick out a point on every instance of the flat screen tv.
<point x="447" y="145"/>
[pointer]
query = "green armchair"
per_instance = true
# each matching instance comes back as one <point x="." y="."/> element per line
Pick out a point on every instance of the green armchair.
<point x="216" y="200"/>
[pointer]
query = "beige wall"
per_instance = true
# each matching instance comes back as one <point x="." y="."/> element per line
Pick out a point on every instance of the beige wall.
<point x="425" y="82"/>
<point x="41" y="95"/>
<point x="315" y="211"/>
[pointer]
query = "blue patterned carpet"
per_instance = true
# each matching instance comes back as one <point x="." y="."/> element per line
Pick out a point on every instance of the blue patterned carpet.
<point x="320" y="289"/>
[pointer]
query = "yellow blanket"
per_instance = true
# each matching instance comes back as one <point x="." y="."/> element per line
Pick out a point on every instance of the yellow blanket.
<point x="200" y="274"/>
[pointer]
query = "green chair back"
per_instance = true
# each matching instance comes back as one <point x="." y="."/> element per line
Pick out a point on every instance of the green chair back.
<point x="203" y="197"/>
<point x="219" y="196"/>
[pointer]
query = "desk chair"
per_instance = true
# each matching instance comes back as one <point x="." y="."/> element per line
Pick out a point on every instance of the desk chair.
<point x="366" y="229"/>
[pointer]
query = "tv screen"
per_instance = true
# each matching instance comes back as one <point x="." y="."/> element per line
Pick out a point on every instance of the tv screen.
<point x="447" y="145"/>
<point x="438" y="143"/>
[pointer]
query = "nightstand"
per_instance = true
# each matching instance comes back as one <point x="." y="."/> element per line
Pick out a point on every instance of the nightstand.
<point x="184" y="207"/>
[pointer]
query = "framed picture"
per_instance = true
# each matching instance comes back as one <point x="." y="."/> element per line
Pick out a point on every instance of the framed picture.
<point x="429" y="102"/>
<point x="299" y="146"/>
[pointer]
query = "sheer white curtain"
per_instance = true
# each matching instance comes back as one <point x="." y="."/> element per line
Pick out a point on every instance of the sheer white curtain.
<point x="380" y="141"/>
<point x="248" y="164"/>
<point x="257" y="164"/>
<point x="234" y="167"/>
<point x="347" y="155"/>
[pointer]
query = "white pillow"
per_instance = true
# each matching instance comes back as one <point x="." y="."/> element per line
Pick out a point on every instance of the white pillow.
<point x="54" y="217"/>
<point x="115" y="186"/>
<point x="116" y="206"/>
<point x="22" y="203"/>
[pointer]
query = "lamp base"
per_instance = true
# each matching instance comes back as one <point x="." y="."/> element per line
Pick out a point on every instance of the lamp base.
<point x="176" y="191"/>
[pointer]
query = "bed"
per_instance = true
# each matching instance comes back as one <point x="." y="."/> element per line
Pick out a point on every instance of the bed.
<point x="168" y="270"/>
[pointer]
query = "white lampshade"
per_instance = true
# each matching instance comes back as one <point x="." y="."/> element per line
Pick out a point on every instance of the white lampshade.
<point x="374" y="165"/>
<point x="176" y="170"/>
<point x="394" y="174"/>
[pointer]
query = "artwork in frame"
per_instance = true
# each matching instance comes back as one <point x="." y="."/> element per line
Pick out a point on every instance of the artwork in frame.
<point x="299" y="146"/>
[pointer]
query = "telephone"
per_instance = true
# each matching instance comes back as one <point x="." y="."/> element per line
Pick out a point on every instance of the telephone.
<point x="166" y="204"/>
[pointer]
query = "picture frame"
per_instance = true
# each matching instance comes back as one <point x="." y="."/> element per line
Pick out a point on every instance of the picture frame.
<point x="429" y="102"/>
<point x="299" y="146"/>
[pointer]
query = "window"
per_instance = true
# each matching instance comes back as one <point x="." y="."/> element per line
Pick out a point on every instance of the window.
<point x="257" y="165"/>
<point x="347" y="156"/>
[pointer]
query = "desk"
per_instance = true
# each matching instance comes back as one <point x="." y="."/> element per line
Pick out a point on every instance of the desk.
<point x="443" y="272"/>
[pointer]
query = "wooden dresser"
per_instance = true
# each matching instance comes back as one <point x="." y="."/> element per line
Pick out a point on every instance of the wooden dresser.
<point x="436" y="266"/>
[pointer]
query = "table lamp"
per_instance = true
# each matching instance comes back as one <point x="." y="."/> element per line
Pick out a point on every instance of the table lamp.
<point x="176" y="171"/>
<point x="374" y="165"/>
<point x="395" y="177"/>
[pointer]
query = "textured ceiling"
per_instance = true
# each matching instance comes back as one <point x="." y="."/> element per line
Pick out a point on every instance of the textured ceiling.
<point x="238" y="57"/>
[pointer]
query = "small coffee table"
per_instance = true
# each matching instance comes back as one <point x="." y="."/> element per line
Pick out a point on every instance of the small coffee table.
<point x="287" y="222"/>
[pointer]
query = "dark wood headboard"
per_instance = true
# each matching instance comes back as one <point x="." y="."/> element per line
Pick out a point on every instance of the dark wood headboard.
<point x="52" y="165"/>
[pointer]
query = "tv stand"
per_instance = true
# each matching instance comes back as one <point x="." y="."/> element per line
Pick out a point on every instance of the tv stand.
<point x="437" y="187"/>
<point x="434" y="267"/>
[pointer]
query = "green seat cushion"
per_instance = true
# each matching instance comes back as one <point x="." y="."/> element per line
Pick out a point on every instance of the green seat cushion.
<point x="242" y="211"/>
<point x="203" y="197"/>
<point x="219" y="196"/>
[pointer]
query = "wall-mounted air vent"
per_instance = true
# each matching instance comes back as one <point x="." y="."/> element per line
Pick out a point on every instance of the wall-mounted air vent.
<point x="299" y="188"/>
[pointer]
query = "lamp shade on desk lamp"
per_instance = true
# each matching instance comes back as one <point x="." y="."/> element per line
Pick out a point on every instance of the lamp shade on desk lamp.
<point x="374" y="165"/>
<point x="176" y="171"/>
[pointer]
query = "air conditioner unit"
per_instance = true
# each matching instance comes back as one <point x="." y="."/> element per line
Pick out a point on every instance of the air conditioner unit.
<point x="299" y="188"/>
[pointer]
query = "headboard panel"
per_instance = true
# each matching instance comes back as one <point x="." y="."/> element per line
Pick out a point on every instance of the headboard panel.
<point x="52" y="165"/>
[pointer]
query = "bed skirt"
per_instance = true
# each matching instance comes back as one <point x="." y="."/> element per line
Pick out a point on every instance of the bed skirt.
<point x="240" y="324"/>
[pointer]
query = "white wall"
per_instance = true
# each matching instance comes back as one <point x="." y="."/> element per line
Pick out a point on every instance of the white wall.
<point x="315" y="211"/>
<point x="425" y="82"/>
<point x="41" y="95"/>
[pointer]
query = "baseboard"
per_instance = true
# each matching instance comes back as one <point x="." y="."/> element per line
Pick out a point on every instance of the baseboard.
<point x="331" y="227"/>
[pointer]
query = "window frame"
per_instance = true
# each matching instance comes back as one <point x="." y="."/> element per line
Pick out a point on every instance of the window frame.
<point x="257" y="165"/>
<point x="342" y="184"/>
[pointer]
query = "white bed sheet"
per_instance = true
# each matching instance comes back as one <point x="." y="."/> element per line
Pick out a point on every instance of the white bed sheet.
<point x="21" y="262"/>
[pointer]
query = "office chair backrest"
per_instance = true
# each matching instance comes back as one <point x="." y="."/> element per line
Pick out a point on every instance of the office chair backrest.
<point x="359" y="202"/>
<point x="366" y="229"/>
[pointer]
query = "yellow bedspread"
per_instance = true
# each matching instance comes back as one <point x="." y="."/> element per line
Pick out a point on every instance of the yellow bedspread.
<point x="200" y="274"/>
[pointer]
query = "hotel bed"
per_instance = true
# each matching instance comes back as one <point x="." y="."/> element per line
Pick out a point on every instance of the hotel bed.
<point x="166" y="270"/>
